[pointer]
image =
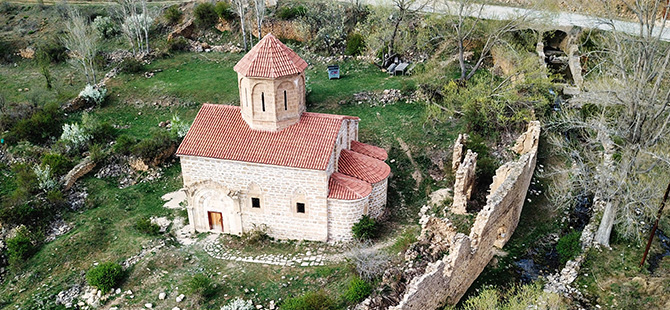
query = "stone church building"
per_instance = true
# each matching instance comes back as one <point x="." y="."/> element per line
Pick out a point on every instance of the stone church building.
<point x="270" y="162"/>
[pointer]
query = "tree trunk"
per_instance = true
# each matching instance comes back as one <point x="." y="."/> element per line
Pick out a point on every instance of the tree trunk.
<point x="605" y="228"/>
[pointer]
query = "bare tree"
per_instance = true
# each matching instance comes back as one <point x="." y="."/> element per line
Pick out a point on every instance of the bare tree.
<point x="259" y="9"/>
<point x="403" y="9"/>
<point x="81" y="41"/>
<point x="467" y="25"/>
<point x="241" y="7"/>
<point x="620" y="138"/>
<point x="137" y="21"/>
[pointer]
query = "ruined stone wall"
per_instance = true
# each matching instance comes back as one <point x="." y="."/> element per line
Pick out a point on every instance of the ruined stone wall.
<point x="446" y="280"/>
<point x="465" y="181"/>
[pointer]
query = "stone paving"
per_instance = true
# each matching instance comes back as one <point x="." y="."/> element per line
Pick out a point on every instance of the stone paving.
<point x="309" y="258"/>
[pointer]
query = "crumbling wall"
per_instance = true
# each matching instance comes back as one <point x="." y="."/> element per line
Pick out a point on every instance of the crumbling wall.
<point x="465" y="181"/>
<point x="82" y="168"/>
<point x="457" y="155"/>
<point x="446" y="280"/>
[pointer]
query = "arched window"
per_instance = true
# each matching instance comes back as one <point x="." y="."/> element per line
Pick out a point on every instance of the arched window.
<point x="263" y="101"/>
<point x="285" y="101"/>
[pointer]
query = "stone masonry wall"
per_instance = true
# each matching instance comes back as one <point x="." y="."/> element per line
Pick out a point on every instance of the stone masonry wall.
<point x="446" y="280"/>
<point x="342" y="214"/>
<point x="378" y="199"/>
<point x="279" y="188"/>
<point x="465" y="181"/>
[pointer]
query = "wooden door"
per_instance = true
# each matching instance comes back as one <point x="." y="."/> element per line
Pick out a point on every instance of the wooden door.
<point x="215" y="221"/>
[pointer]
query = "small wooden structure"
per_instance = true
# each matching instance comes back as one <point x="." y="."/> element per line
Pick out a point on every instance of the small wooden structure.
<point x="333" y="72"/>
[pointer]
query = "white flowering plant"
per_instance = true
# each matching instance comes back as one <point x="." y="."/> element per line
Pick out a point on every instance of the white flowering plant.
<point x="93" y="94"/>
<point x="179" y="127"/>
<point x="45" y="179"/>
<point x="74" y="136"/>
<point x="238" y="304"/>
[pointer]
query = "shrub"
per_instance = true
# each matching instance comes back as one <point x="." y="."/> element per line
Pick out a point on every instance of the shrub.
<point x="569" y="246"/>
<point x="124" y="144"/>
<point x="96" y="153"/>
<point x="205" y="15"/>
<point x="93" y="94"/>
<point x="154" y="147"/>
<point x="178" y="44"/>
<point x="146" y="226"/>
<point x="173" y="14"/>
<point x="75" y="136"/>
<point x="224" y="11"/>
<point x="202" y="286"/>
<point x="20" y="247"/>
<point x="255" y="236"/>
<point x="369" y="263"/>
<point x="105" y="276"/>
<point x="357" y="290"/>
<point x="355" y="44"/>
<point x="43" y="124"/>
<point x="105" y="26"/>
<point x="8" y="50"/>
<point x="179" y="128"/>
<point x="45" y="178"/>
<point x="366" y="228"/>
<point x="311" y="301"/>
<point x="131" y="65"/>
<point x="239" y="304"/>
<point x="288" y="13"/>
<point x="60" y="165"/>
<point x="51" y="49"/>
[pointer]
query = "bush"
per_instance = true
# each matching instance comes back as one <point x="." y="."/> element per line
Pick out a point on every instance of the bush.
<point x="569" y="246"/>
<point x="369" y="263"/>
<point x="310" y="301"/>
<point x="60" y="165"/>
<point x="124" y="144"/>
<point x="8" y="50"/>
<point x="43" y="124"/>
<point x="105" y="276"/>
<point x="173" y="14"/>
<point x="355" y="44"/>
<point x="358" y="290"/>
<point x="75" y="136"/>
<point x="93" y="94"/>
<point x="366" y="228"/>
<point x="202" y="286"/>
<point x="105" y="26"/>
<point x="131" y="65"/>
<point x="146" y="226"/>
<point x="239" y="304"/>
<point x="288" y="13"/>
<point x="255" y="236"/>
<point x="179" y="128"/>
<point x="224" y="11"/>
<point x="205" y="15"/>
<point x="45" y="178"/>
<point x="51" y="49"/>
<point x="153" y="148"/>
<point x="178" y="45"/>
<point x="20" y="247"/>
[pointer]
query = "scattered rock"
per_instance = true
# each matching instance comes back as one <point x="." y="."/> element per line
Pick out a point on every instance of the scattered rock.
<point x="179" y="298"/>
<point x="161" y="296"/>
<point x="148" y="305"/>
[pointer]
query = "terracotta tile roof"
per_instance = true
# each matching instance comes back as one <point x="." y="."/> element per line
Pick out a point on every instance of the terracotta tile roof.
<point x="220" y="132"/>
<point x="344" y="187"/>
<point x="270" y="59"/>
<point x="370" y="150"/>
<point x="362" y="167"/>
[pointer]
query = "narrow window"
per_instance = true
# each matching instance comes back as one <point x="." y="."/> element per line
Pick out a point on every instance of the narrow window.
<point x="246" y="97"/>
<point x="263" y="101"/>
<point x="255" y="202"/>
<point x="300" y="207"/>
<point x="285" y="103"/>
